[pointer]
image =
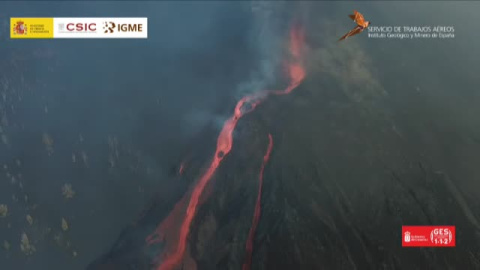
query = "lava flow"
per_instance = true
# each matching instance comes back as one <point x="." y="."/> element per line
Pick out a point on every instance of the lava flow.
<point x="258" y="208"/>
<point x="175" y="250"/>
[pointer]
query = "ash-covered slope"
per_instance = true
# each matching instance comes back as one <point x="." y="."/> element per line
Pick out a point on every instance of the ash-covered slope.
<point x="341" y="181"/>
<point x="358" y="152"/>
<point x="339" y="185"/>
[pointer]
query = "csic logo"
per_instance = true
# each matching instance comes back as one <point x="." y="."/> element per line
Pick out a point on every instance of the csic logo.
<point x="110" y="27"/>
<point x="20" y="28"/>
<point x="72" y="27"/>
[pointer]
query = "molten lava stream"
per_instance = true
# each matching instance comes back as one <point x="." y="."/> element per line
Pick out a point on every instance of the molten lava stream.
<point x="258" y="208"/>
<point x="174" y="252"/>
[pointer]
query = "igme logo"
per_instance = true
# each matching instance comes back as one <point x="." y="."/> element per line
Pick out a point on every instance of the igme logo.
<point x="111" y="27"/>
<point x="108" y="27"/>
<point x="137" y="27"/>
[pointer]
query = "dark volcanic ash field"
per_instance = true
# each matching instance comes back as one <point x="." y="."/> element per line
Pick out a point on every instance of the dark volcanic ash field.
<point x="378" y="134"/>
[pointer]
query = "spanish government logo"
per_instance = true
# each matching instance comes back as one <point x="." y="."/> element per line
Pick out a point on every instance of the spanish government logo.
<point x="20" y="28"/>
<point x="31" y="27"/>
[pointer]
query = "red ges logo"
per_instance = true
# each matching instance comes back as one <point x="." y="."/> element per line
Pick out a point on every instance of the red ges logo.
<point x="82" y="27"/>
<point x="441" y="231"/>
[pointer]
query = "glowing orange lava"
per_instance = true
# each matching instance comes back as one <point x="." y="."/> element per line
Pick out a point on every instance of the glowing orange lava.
<point x="175" y="248"/>
<point x="258" y="208"/>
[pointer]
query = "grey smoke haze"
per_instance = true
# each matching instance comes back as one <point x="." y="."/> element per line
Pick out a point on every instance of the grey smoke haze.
<point x="121" y="114"/>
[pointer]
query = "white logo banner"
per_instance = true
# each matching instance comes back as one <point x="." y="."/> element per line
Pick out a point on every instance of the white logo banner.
<point x="100" y="27"/>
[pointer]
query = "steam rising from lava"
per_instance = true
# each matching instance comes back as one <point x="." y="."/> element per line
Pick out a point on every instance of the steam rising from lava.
<point x="175" y="248"/>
